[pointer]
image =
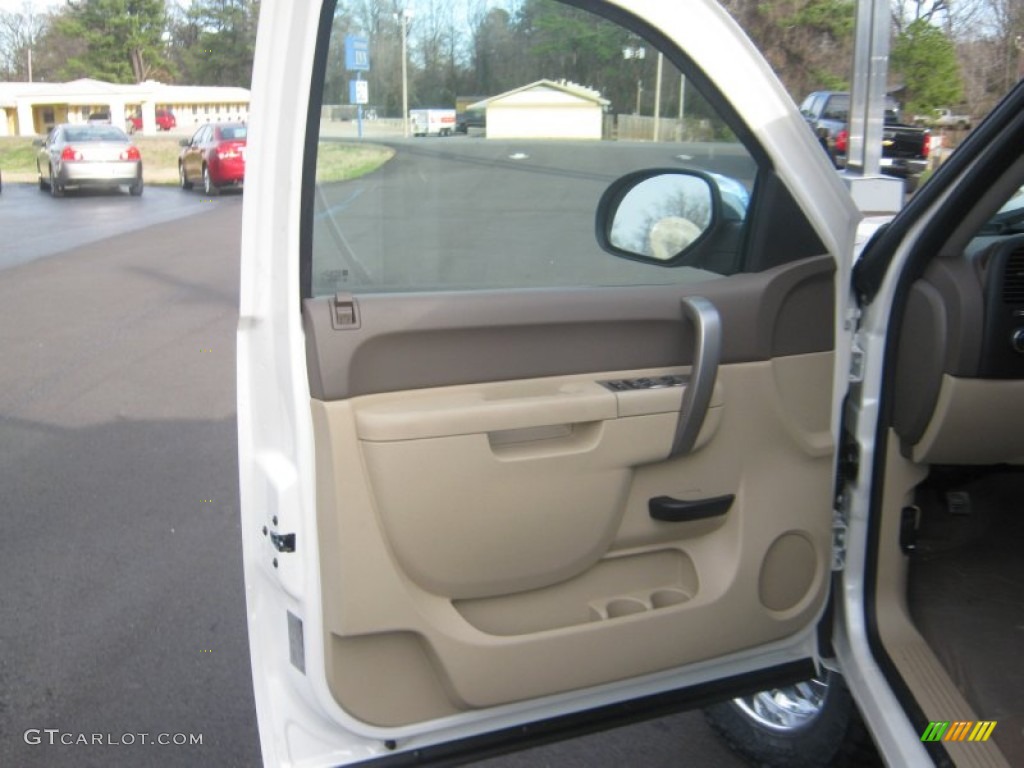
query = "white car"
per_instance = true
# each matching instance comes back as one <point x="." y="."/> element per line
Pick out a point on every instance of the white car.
<point x="538" y="435"/>
<point x="90" y="155"/>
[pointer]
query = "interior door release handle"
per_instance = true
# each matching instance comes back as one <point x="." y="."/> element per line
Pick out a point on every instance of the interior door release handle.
<point x="670" y="510"/>
<point x="707" y="351"/>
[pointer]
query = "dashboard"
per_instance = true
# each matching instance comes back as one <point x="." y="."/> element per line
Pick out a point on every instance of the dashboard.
<point x="960" y="375"/>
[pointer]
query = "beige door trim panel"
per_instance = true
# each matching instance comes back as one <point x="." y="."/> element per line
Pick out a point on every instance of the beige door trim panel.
<point x="536" y="568"/>
<point x="402" y="342"/>
<point x="465" y="477"/>
<point x="502" y="407"/>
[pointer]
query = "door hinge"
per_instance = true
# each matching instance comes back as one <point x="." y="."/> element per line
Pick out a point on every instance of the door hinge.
<point x="344" y="312"/>
<point x="839" y="535"/>
<point x="849" y="458"/>
<point x="852" y="320"/>
<point x="856" y="360"/>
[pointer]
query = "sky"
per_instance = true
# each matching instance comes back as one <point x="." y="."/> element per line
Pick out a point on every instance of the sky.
<point x="41" y="6"/>
<point x="37" y="5"/>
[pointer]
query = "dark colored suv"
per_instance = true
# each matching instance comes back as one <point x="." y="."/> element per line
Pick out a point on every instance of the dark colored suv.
<point x="471" y="118"/>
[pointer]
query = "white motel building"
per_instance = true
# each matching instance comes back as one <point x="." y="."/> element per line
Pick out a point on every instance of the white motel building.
<point x="31" y="109"/>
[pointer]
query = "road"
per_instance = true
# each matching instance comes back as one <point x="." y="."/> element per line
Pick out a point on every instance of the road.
<point x="123" y="600"/>
<point x="37" y="225"/>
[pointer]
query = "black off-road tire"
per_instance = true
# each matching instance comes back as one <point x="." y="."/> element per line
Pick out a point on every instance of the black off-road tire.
<point x="834" y="736"/>
<point x="56" y="190"/>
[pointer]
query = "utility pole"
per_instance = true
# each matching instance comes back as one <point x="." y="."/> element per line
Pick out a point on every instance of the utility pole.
<point x="404" y="16"/>
<point x="657" y="95"/>
<point x="31" y="37"/>
<point x="638" y="53"/>
<point x="681" y="133"/>
<point x="1018" y="43"/>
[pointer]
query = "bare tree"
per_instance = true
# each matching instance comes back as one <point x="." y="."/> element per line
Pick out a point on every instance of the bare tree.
<point x="906" y="11"/>
<point x="1007" y="33"/>
<point x="809" y="43"/>
<point x="988" y="36"/>
<point x="435" y="44"/>
<point x="19" y="32"/>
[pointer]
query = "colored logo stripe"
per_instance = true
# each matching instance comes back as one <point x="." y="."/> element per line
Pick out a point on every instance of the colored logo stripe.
<point x="983" y="730"/>
<point x="958" y="730"/>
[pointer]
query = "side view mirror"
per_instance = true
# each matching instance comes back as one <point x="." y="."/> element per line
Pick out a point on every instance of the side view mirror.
<point x="183" y="142"/>
<point x="658" y="215"/>
<point x="37" y="142"/>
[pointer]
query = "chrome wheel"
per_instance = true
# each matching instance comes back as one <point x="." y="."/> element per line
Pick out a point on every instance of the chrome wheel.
<point x="56" y="190"/>
<point x="183" y="177"/>
<point x="785" y="709"/>
<point x="208" y="186"/>
<point x="811" y="724"/>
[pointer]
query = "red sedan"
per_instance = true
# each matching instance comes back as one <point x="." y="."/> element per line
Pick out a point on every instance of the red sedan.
<point x="165" y="120"/>
<point x="214" y="157"/>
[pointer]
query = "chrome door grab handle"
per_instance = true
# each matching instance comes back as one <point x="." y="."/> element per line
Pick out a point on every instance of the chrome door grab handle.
<point x="707" y="351"/>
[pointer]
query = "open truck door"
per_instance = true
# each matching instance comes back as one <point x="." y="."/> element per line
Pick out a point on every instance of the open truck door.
<point x="496" y="474"/>
<point x="538" y="432"/>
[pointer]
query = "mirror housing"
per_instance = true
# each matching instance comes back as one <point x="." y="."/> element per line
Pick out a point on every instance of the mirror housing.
<point x="667" y="216"/>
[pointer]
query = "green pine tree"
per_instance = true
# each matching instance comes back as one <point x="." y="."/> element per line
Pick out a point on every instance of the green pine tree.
<point x="123" y="40"/>
<point x="926" y="58"/>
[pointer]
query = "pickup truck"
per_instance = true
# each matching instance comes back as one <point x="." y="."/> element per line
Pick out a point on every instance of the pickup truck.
<point x="944" y="118"/>
<point x="470" y="118"/>
<point x="904" y="147"/>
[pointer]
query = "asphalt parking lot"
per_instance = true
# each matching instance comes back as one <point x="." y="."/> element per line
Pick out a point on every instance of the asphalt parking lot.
<point x="37" y="225"/>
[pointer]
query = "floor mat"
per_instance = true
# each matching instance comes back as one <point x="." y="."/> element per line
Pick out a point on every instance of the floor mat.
<point x="966" y="595"/>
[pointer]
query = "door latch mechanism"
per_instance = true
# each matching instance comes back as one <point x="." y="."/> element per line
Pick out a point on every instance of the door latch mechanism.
<point x="283" y="542"/>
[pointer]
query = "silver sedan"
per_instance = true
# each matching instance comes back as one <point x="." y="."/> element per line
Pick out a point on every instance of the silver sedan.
<point x="88" y="155"/>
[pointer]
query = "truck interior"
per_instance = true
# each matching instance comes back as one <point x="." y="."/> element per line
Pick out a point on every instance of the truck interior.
<point x="949" y="608"/>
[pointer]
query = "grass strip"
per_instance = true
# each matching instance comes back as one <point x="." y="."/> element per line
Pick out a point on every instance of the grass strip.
<point x="336" y="161"/>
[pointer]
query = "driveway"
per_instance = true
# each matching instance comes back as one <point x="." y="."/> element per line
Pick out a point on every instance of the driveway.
<point x="36" y="225"/>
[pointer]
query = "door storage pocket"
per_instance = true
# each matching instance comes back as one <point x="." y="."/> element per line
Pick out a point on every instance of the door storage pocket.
<point x="616" y="588"/>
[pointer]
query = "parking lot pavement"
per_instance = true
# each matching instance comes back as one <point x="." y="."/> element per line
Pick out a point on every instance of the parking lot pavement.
<point x="117" y="456"/>
<point x="36" y="225"/>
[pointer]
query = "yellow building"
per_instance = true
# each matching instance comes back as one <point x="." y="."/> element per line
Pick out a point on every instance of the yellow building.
<point x="31" y="109"/>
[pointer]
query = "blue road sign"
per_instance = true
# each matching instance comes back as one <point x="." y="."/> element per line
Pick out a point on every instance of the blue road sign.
<point x="357" y="53"/>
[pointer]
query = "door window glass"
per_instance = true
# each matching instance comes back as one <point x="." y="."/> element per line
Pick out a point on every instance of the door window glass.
<point x="517" y="122"/>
